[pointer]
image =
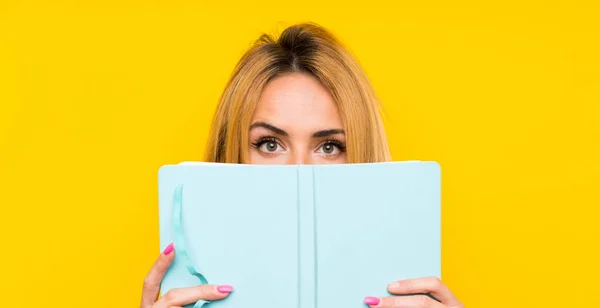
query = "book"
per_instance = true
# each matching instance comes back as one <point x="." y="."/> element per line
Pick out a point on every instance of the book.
<point x="302" y="236"/>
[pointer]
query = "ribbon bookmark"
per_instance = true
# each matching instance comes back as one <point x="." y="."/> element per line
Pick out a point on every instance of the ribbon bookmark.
<point x="180" y="241"/>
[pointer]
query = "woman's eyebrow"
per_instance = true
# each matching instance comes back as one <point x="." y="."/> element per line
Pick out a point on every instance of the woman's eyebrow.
<point x="270" y="127"/>
<point x="279" y="131"/>
<point x="327" y="132"/>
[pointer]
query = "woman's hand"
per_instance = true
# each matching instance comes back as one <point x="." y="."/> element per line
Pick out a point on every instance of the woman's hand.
<point x="429" y="285"/>
<point x="176" y="298"/>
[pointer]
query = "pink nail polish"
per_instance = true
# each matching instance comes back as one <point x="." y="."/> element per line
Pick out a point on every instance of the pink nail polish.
<point x="225" y="289"/>
<point x="372" y="301"/>
<point x="169" y="249"/>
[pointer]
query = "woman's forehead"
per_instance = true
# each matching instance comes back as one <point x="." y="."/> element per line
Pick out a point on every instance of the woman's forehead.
<point x="297" y="100"/>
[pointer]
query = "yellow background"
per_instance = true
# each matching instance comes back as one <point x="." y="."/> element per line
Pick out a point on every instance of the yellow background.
<point x="96" y="95"/>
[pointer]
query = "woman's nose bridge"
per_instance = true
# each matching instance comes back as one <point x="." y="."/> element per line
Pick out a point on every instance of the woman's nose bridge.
<point x="300" y="158"/>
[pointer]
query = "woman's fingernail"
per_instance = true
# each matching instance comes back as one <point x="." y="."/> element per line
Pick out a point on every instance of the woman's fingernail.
<point x="394" y="285"/>
<point x="225" y="289"/>
<point x="372" y="301"/>
<point x="169" y="249"/>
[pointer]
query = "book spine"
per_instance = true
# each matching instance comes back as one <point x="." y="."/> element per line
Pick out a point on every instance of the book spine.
<point x="307" y="284"/>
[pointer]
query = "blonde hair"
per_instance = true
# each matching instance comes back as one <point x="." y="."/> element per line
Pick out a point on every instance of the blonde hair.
<point x="303" y="48"/>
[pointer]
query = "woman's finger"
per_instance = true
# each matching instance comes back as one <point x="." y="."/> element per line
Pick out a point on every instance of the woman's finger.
<point x="409" y="301"/>
<point x="157" y="272"/>
<point x="431" y="285"/>
<point x="185" y="296"/>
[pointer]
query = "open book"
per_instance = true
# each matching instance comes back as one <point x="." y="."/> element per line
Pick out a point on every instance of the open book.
<point x="300" y="236"/>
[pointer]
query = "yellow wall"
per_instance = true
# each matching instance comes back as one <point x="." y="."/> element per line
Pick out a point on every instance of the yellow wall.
<point x="96" y="95"/>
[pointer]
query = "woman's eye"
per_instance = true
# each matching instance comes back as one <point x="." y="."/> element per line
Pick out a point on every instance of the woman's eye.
<point x="330" y="149"/>
<point x="269" y="146"/>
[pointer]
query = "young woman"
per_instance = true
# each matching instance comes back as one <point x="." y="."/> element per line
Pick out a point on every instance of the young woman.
<point x="297" y="99"/>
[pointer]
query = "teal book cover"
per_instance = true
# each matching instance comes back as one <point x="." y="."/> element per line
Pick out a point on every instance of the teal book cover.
<point x="303" y="236"/>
